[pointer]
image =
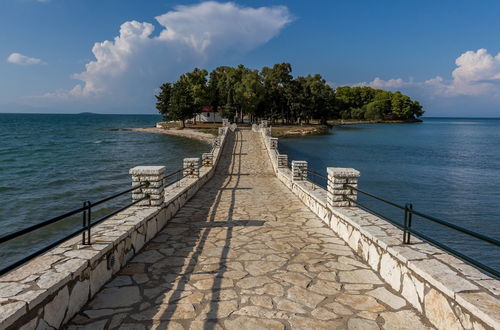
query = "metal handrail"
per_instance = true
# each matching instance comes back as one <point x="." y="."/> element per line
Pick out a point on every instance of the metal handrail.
<point x="407" y="229"/>
<point x="433" y="219"/>
<point x="61" y="240"/>
<point x="27" y="230"/>
<point x="317" y="174"/>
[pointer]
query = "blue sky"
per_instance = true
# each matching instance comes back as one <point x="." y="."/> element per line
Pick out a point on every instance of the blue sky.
<point x="443" y="53"/>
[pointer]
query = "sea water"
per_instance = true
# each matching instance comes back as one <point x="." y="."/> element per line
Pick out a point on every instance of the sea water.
<point x="51" y="164"/>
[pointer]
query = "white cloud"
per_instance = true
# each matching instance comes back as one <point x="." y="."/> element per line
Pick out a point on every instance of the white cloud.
<point x="386" y="84"/>
<point x="131" y="66"/>
<point x="477" y="73"/>
<point x="20" y="59"/>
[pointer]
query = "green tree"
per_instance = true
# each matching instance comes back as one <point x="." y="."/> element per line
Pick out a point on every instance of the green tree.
<point x="182" y="104"/>
<point x="163" y="99"/>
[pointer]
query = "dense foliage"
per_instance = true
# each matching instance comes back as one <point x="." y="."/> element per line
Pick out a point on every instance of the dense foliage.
<point x="274" y="94"/>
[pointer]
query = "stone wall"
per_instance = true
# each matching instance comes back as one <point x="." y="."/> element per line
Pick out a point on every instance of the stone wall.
<point x="449" y="292"/>
<point x="48" y="291"/>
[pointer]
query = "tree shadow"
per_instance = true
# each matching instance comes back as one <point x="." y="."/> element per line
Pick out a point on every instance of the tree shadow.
<point x="227" y="178"/>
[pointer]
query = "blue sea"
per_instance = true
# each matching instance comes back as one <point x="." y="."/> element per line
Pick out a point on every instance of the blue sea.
<point x="447" y="167"/>
<point x="51" y="164"/>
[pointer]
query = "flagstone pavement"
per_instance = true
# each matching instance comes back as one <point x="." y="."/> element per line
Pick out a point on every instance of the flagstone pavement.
<point x="245" y="253"/>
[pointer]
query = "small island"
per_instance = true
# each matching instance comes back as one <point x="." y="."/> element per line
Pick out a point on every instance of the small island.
<point x="294" y="105"/>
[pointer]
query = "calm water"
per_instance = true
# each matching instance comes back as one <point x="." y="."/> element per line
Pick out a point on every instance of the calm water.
<point x="50" y="164"/>
<point x="448" y="168"/>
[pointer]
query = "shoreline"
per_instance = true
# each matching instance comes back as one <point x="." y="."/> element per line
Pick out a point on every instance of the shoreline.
<point x="186" y="132"/>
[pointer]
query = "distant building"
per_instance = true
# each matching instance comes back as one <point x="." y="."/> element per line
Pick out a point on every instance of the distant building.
<point x="207" y="115"/>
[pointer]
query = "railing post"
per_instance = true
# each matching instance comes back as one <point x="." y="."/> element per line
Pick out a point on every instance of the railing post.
<point x="217" y="141"/>
<point x="273" y="143"/>
<point x="153" y="193"/>
<point x="282" y="161"/>
<point x="299" y="170"/>
<point x="207" y="159"/>
<point x="407" y="223"/>
<point x="338" y="192"/>
<point x="191" y="167"/>
<point x="87" y="216"/>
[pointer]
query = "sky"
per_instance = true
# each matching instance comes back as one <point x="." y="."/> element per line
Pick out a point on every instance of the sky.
<point x="110" y="56"/>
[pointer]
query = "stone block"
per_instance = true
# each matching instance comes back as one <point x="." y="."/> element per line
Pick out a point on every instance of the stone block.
<point x="299" y="170"/>
<point x="338" y="178"/>
<point x="147" y="170"/>
<point x="53" y="312"/>
<point x="207" y="159"/>
<point x="282" y="161"/>
<point x="439" y="311"/>
<point x="390" y="271"/>
<point x="155" y="176"/>
<point x="191" y="167"/>
<point x="273" y="143"/>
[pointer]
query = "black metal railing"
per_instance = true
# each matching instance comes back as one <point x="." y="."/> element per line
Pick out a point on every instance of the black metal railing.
<point x="85" y="229"/>
<point x="87" y="222"/>
<point x="407" y="229"/>
<point x="319" y="179"/>
<point x="322" y="181"/>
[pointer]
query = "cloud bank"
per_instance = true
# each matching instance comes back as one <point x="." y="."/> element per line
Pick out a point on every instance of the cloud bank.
<point x="477" y="74"/>
<point x="128" y="68"/>
<point x="20" y="59"/>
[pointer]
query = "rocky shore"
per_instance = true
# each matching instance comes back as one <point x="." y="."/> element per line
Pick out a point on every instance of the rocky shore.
<point x="186" y="132"/>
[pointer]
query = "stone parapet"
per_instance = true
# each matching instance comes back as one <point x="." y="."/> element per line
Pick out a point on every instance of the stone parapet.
<point x="447" y="291"/>
<point x="152" y="193"/>
<point x="340" y="181"/>
<point x="299" y="170"/>
<point x="191" y="167"/>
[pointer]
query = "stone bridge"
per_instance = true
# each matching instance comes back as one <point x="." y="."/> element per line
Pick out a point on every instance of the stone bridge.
<point x="254" y="246"/>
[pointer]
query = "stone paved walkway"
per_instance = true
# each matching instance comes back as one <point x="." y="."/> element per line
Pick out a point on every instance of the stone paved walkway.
<point x="245" y="253"/>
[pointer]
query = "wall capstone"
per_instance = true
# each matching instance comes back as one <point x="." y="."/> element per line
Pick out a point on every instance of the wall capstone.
<point x="155" y="175"/>
<point x="338" y="177"/>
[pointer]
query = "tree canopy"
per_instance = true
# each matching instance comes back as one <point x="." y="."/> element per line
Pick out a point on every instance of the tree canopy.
<point x="274" y="94"/>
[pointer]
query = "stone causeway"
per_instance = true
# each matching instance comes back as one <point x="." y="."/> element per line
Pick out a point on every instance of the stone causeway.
<point x="244" y="242"/>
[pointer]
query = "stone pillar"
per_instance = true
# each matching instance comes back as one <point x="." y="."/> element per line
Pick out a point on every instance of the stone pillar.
<point x="207" y="159"/>
<point x="282" y="160"/>
<point x="337" y="190"/>
<point x="222" y="131"/>
<point x="155" y="176"/>
<point x="225" y="122"/>
<point x="217" y="141"/>
<point x="299" y="170"/>
<point x="268" y="131"/>
<point x="191" y="167"/>
<point x="273" y="143"/>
